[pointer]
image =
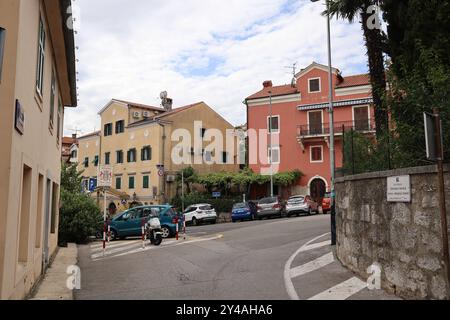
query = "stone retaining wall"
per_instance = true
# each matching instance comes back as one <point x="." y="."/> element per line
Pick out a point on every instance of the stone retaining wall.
<point x="404" y="238"/>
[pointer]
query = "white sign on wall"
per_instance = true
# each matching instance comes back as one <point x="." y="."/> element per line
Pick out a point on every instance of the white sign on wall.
<point x="105" y="174"/>
<point x="399" y="189"/>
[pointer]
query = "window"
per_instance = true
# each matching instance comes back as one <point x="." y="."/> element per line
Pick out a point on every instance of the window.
<point x="55" y="208"/>
<point x="86" y="162"/>
<point x="119" y="156"/>
<point x="314" y="85"/>
<point x="275" y="124"/>
<point x="52" y="99"/>
<point x="60" y="111"/>
<point x="315" y="121"/>
<point x="40" y="203"/>
<point x="2" y="49"/>
<point x="361" y="118"/>
<point x="107" y="158"/>
<point x="118" y="183"/>
<point x="25" y="214"/>
<point x="274" y="152"/>
<point x="146" y="182"/>
<point x="131" y="182"/>
<point x="131" y="156"/>
<point x="108" y="130"/>
<point x="146" y="153"/>
<point x="202" y="132"/>
<point x="225" y="157"/>
<point x="96" y="161"/>
<point x="316" y="154"/>
<point x="74" y="154"/>
<point x="41" y="58"/>
<point x="120" y="126"/>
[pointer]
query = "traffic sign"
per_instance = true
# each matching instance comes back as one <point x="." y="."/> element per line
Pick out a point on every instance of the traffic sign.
<point x="161" y="172"/>
<point x="105" y="174"/>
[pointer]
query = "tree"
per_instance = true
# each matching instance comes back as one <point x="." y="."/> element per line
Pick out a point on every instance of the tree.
<point x="350" y="10"/>
<point x="79" y="216"/>
<point x="419" y="75"/>
<point x="190" y="177"/>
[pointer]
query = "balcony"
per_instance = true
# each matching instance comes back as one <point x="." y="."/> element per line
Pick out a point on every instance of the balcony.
<point x="322" y="131"/>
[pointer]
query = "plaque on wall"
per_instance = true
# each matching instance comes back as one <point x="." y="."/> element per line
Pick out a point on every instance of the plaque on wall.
<point x="19" y="118"/>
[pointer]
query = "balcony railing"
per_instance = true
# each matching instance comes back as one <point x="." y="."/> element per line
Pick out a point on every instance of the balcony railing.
<point x="312" y="130"/>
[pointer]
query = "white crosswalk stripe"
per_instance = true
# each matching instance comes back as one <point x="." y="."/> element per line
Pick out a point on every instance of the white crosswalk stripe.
<point x="341" y="291"/>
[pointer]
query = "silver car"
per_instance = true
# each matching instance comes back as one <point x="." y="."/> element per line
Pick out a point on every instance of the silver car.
<point x="270" y="207"/>
<point x="300" y="204"/>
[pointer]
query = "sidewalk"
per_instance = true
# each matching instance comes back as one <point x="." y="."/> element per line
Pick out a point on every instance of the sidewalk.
<point x="53" y="286"/>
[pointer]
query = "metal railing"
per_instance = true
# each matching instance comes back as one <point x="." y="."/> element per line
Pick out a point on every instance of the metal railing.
<point x="312" y="130"/>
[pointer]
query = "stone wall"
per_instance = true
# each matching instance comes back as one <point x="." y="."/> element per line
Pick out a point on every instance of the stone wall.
<point x="404" y="238"/>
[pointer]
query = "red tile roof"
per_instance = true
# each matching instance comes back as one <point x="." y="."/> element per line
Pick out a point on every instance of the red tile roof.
<point x="177" y="110"/>
<point x="69" y="140"/>
<point x="276" y="91"/>
<point x="356" y="80"/>
<point x="139" y="105"/>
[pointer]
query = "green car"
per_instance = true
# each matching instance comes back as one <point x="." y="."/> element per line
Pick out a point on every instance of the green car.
<point x="129" y="223"/>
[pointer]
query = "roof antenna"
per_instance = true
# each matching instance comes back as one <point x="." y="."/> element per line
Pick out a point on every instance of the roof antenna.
<point x="294" y="73"/>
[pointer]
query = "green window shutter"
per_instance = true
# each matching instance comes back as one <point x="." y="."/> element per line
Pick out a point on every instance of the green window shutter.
<point x="131" y="183"/>
<point x="128" y="156"/>
<point x="143" y="154"/>
<point x="118" y="183"/>
<point x="149" y="153"/>
<point x="146" y="182"/>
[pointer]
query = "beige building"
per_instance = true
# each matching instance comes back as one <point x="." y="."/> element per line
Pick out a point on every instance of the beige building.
<point x="136" y="140"/>
<point x="37" y="80"/>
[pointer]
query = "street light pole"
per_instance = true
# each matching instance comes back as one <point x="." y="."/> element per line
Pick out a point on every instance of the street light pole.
<point x="270" y="144"/>
<point x="331" y="112"/>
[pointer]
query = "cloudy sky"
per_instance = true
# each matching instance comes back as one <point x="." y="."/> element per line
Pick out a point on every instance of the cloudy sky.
<point x="215" y="51"/>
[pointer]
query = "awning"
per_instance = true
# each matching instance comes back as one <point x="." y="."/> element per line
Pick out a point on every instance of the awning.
<point x="336" y="104"/>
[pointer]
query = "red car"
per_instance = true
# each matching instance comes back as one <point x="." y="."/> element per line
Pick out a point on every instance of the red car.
<point x="326" y="203"/>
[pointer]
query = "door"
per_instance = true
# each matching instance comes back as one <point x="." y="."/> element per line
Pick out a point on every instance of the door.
<point x="46" y="249"/>
<point x="315" y="122"/>
<point x="318" y="189"/>
<point x="361" y="115"/>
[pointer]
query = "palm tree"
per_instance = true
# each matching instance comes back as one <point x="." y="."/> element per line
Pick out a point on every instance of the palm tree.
<point x="350" y="10"/>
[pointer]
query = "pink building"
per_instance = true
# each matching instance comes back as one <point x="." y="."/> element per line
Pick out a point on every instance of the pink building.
<point x="301" y="122"/>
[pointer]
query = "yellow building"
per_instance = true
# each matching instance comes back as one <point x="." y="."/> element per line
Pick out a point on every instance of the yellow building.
<point x="136" y="140"/>
<point x="37" y="79"/>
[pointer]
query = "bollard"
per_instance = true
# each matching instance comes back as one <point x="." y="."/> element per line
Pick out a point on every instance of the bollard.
<point x="177" y="227"/>
<point x="109" y="232"/>
<point x="184" y="229"/>
<point x="104" y="238"/>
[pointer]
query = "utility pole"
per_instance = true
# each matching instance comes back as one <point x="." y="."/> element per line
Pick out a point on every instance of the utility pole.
<point x="270" y="144"/>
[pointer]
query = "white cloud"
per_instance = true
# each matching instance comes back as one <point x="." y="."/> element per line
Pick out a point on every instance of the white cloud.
<point x="214" y="51"/>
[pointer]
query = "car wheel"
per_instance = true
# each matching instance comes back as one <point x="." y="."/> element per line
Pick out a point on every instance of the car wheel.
<point x="114" y="236"/>
<point x="214" y="221"/>
<point x="309" y="212"/>
<point x="195" y="221"/>
<point x="165" y="232"/>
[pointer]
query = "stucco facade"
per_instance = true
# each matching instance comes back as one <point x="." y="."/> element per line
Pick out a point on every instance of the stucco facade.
<point x="30" y="166"/>
<point x="293" y="106"/>
<point x="138" y="175"/>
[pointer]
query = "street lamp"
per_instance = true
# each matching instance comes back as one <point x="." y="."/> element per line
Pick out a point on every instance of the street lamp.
<point x="270" y="144"/>
<point x="331" y="112"/>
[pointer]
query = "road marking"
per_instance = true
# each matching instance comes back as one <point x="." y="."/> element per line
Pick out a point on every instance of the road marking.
<point x="287" y="269"/>
<point x="316" y="246"/>
<point x="342" y="291"/>
<point x="312" y="266"/>
<point x="166" y="244"/>
<point x="112" y="244"/>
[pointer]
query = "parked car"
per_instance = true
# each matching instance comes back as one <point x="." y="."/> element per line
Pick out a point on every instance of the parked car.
<point x="129" y="223"/>
<point x="270" y="207"/>
<point x="326" y="203"/>
<point x="301" y="204"/>
<point x="244" y="211"/>
<point x="200" y="213"/>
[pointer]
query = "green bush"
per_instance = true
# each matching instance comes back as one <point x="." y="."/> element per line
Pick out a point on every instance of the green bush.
<point x="80" y="217"/>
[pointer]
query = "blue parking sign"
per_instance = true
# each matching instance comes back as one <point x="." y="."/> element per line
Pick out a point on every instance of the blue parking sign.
<point x="92" y="184"/>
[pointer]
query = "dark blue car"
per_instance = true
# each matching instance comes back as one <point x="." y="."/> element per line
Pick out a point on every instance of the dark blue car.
<point x="243" y="211"/>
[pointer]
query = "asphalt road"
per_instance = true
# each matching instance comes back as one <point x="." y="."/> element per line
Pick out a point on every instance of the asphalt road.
<point x="250" y="261"/>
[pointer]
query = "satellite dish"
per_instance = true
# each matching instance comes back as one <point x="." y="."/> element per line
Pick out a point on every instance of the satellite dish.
<point x="163" y="95"/>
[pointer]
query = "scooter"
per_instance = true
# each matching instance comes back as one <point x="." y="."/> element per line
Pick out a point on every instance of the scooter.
<point x="154" y="231"/>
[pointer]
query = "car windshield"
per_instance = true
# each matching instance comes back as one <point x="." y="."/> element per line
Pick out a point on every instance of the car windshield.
<point x="296" y="199"/>
<point x="205" y="208"/>
<point x="268" y="200"/>
<point x="240" y="206"/>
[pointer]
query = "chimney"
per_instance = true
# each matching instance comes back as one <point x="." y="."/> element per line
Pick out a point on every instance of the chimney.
<point x="74" y="136"/>
<point x="268" y="84"/>
<point x="168" y="104"/>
